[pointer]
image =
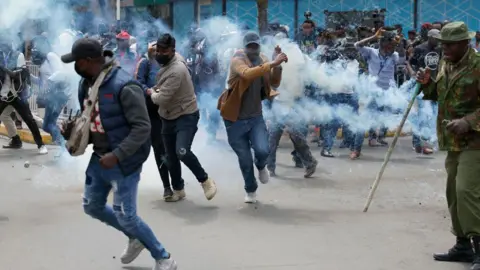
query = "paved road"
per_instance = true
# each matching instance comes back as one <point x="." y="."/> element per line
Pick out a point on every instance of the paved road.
<point x="300" y="224"/>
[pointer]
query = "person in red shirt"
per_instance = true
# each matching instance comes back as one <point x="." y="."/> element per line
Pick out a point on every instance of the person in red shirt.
<point x="126" y="58"/>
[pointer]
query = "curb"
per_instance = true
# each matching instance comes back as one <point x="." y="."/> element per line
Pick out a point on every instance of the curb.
<point x="390" y="133"/>
<point x="26" y="136"/>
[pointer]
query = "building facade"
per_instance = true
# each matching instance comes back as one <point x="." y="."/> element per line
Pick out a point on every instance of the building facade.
<point x="180" y="14"/>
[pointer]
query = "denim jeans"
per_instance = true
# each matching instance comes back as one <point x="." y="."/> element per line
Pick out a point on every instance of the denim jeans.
<point x="383" y="130"/>
<point x="209" y="112"/>
<point x="123" y="215"/>
<point x="243" y="135"/>
<point x="424" y="122"/>
<point x="178" y="137"/>
<point x="331" y="128"/>
<point x="358" y="138"/>
<point x="53" y="108"/>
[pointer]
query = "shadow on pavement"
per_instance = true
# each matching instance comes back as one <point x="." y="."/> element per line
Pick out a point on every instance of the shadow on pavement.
<point x="410" y="160"/>
<point x="286" y="216"/>
<point x="317" y="181"/>
<point x="192" y="213"/>
<point x="136" y="268"/>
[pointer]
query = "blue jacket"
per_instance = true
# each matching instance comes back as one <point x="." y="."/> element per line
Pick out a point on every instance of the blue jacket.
<point x="145" y="74"/>
<point x="113" y="120"/>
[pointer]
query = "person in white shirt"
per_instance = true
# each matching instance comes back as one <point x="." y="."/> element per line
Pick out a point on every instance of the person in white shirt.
<point x="53" y="77"/>
<point x="381" y="64"/>
<point x="14" y="78"/>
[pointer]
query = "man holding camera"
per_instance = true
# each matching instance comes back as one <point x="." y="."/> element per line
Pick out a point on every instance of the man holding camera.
<point x="382" y="63"/>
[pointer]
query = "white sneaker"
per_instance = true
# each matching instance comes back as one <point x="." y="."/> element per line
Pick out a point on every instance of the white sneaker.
<point x="165" y="264"/>
<point x="263" y="175"/>
<point x="131" y="252"/>
<point x="209" y="189"/>
<point x="251" y="197"/>
<point x="43" y="150"/>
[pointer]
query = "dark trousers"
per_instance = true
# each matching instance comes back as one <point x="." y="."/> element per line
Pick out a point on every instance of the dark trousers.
<point x="159" y="149"/>
<point x="302" y="150"/>
<point x="347" y="101"/>
<point x="22" y="108"/>
<point x="178" y="137"/>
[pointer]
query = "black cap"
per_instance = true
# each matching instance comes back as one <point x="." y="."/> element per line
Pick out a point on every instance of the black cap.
<point x="166" y="41"/>
<point x="83" y="48"/>
<point x="251" y="38"/>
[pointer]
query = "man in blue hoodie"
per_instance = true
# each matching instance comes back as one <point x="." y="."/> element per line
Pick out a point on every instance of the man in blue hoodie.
<point x="120" y="134"/>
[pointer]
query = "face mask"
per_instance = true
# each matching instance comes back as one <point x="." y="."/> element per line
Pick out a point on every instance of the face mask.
<point x="38" y="58"/>
<point x="82" y="74"/>
<point x="252" y="53"/>
<point x="163" y="59"/>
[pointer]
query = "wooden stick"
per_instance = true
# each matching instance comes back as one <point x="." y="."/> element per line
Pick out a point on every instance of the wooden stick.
<point x="390" y="150"/>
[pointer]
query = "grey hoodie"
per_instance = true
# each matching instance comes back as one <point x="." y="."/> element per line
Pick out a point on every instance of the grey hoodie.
<point x="174" y="92"/>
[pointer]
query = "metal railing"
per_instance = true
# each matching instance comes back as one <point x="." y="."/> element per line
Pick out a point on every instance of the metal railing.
<point x="39" y="90"/>
<point x="36" y="89"/>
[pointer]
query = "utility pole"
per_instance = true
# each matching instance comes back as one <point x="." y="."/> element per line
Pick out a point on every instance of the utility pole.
<point x="262" y="18"/>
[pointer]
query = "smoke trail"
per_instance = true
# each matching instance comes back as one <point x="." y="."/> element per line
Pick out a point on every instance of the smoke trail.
<point x="329" y="78"/>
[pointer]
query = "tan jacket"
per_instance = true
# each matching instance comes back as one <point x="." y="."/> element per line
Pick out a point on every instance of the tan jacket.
<point x="242" y="74"/>
<point x="173" y="92"/>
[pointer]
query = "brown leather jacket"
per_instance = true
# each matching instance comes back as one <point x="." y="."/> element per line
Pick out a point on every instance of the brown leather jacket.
<point x="242" y="74"/>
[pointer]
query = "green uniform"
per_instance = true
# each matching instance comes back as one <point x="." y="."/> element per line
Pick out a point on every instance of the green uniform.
<point x="457" y="90"/>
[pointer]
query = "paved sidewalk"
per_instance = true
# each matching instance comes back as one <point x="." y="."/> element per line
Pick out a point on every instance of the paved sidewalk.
<point x="300" y="224"/>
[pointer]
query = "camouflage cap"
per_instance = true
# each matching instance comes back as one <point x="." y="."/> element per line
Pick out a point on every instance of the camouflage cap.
<point x="455" y="31"/>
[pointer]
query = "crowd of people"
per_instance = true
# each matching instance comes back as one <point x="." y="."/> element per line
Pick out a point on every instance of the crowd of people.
<point x="134" y="96"/>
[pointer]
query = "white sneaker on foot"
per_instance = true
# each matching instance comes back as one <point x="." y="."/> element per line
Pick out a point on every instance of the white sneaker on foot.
<point x="131" y="252"/>
<point x="42" y="150"/>
<point x="251" y="197"/>
<point x="264" y="175"/>
<point x="165" y="264"/>
<point x="209" y="189"/>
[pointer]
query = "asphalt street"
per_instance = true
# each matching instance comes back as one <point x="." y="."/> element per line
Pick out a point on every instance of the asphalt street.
<point x="299" y="224"/>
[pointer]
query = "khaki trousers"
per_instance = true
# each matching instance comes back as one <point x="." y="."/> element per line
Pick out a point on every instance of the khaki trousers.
<point x="8" y="121"/>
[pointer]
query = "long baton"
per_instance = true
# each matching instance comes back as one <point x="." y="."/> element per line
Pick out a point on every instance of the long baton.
<point x="390" y="150"/>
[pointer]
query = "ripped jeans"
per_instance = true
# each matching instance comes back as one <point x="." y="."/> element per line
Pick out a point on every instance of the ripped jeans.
<point x="123" y="216"/>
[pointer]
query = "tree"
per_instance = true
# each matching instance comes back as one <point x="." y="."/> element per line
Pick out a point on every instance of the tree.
<point x="262" y="18"/>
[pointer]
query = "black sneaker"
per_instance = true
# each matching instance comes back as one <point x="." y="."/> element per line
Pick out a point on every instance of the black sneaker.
<point x="310" y="170"/>
<point x="167" y="194"/>
<point x="382" y="142"/>
<point x="15" y="143"/>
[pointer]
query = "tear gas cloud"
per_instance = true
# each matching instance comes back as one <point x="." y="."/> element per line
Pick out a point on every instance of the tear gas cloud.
<point x="292" y="108"/>
<point x="224" y="36"/>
